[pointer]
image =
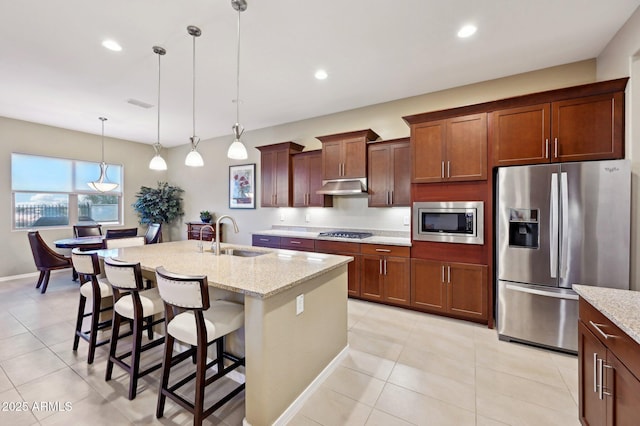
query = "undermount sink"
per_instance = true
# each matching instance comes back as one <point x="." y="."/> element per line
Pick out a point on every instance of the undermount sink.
<point x="242" y="253"/>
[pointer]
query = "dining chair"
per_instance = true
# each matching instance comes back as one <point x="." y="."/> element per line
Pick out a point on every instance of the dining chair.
<point x="199" y="323"/>
<point x="121" y="233"/>
<point x="113" y="243"/>
<point x="154" y="233"/>
<point x="95" y="289"/>
<point x="87" y="230"/>
<point x="46" y="259"/>
<point x="133" y="303"/>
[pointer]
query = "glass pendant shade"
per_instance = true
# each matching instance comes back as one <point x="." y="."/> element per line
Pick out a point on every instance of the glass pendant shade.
<point x="237" y="150"/>
<point x="102" y="184"/>
<point x="157" y="162"/>
<point x="194" y="159"/>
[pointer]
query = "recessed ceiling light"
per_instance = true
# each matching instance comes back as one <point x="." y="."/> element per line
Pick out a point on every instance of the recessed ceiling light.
<point x="112" y="45"/>
<point x="321" y="74"/>
<point x="467" y="31"/>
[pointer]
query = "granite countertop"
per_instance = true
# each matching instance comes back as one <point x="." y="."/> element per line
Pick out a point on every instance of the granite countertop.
<point x="386" y="237"/>
<point x="260" y="276"/>
<point x="622" y="307"/>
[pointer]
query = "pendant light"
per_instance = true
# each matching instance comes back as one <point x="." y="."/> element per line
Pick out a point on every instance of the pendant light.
<point x="194" y="159"/>
<point x="157" y="162"/>
<point x="237" y="150"/>
<point x="103" y="184"/>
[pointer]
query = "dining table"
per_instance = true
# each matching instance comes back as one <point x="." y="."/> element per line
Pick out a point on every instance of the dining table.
<point x="83" y="243"/>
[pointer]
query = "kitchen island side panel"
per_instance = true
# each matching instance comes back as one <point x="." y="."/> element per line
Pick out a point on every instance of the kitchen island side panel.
<point x="285" y="352"/>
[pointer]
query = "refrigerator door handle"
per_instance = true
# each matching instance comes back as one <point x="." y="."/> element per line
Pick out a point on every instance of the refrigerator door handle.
<point x="553" y="229"/>
<point x="564" y="210"/>
<point x="543" y="292"/>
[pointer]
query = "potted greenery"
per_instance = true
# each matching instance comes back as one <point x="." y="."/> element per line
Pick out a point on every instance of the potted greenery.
<point x="159" y="205"/>
<point x="206" y="216"/>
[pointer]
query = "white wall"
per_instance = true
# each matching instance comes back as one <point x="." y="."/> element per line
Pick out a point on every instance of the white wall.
<point x="620" y="59"/>
<point x="207" y="188"/>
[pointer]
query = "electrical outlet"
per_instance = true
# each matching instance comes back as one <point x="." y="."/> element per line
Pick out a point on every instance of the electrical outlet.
<point x="300" y="304"/>
<point x="405" y="220"/>
<point x="281" y="217"/>
<point x="307" y="218"/>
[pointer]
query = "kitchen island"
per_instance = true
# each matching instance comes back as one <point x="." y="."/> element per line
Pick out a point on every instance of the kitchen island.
<point x="286" y="350"/>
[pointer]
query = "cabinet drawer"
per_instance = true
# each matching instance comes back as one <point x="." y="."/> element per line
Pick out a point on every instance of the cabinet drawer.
<point x="303" y="244"/>
<point x="384" y="250"/>
<point x="329" y="247"/>
<point x="617" y="341"/>
<point x="265" y="241"/>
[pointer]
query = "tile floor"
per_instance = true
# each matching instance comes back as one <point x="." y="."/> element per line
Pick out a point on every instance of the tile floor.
<point x="402" y="368"/>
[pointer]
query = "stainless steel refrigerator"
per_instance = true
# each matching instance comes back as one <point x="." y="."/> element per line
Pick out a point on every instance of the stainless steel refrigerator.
<point x="558" y="225"/>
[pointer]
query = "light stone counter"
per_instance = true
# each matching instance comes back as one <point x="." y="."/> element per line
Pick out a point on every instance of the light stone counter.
<point x="622" y="307"/>
<point x="287" y="352"/>
<point x="388" y="237"/>
<point x="259" y="276"/>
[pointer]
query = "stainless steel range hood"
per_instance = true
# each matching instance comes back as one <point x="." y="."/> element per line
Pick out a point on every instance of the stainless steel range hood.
<point x="343" y="187"/>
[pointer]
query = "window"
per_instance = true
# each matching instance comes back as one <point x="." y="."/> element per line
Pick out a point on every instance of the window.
<point x="51" y="191"/>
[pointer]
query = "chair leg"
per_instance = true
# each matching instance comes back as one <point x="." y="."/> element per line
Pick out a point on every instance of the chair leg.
<point x="40" y="278"/>
<point x="115" y="330"/>
<point x="93" y="333"/>
<point x="166" y="367"/>
<point x="135" y="356"/>
<point x="80" y="317"/>
<point x="201" y="372"/>
<point x="220" y="353"/>
<point x="149" y="320"/>
<point x="45" y="283"/>
<point x="74" y="274"/>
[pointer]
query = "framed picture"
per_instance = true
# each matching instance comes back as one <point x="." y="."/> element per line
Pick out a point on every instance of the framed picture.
<point x="242" y="186"/>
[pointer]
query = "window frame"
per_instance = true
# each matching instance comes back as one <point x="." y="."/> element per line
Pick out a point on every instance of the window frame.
<point x="73" y="195"/>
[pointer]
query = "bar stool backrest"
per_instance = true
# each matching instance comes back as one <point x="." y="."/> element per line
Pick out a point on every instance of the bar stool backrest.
<point x="114" y="243"/>
<point x="183" y="291"/>
<point x="85" y="263"/>
<point x="123" y="275"/>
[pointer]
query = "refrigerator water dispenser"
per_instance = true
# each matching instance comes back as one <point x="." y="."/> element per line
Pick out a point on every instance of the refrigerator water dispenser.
<point x="523" y="228"/>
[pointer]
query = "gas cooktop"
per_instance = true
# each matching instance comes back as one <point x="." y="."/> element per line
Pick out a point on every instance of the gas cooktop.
<point x="346" y="234"/>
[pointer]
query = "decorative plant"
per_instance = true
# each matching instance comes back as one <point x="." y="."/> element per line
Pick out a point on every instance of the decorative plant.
<point x="206" y="216"/>
<point x="159" y="205"/>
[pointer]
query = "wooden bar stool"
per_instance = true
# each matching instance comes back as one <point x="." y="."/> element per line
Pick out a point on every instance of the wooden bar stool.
<point x="199" y="323"/>
<point x="133" y="303"/>
<point x="96" y="289"/>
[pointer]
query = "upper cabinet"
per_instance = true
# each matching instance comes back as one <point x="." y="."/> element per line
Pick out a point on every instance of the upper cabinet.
<point x="585" y="128"/>
<point x="276" y="173"/>
<point x="389" y="174"/>
<point x="452" y="149"/>
<point x="344" y="155"/>
<point x="307" y="179"/>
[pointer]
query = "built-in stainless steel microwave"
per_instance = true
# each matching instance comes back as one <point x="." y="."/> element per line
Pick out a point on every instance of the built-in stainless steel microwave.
<point x="449" y="221"/>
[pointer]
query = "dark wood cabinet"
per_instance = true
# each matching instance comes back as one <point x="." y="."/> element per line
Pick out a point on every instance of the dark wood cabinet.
<point x="271" y="241"/>
<point x="585" y="128"/>
<point x="307" y="179"/>
<point x="386" y="274"/>
<point x="449" y="150"/>
<point x="345" y="249"/>
<point x="608" y="369"/>
<point x="276" y="173"/>
<point x="208" y="234"/>
<point x="389" y="177"/>
<point x="301" y="244"/>
<point x="459" y="289"/>
<point x="344" y="155"/>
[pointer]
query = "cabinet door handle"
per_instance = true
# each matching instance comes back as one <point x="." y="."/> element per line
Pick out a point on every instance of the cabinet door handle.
<point x="385" y="266"/>
<point x="295" y="242"/>
<point x="380" y="266"/>
<point x="383" y="250"/>
<point x="601" y="367"/>
<point x="442" y="170"/>
<point x="264" y="239"/>
<point x="388" y="198"/>
<point x="449" y="273"/>
<point x="448" y="169"/>
<point x="546" y="148"/>
<point x="595" y="372"/>
<point x="597" y="327"/>
<point x="443" y="274"/>
<point x="556" y="147"/>
<point x="391" y="196"/>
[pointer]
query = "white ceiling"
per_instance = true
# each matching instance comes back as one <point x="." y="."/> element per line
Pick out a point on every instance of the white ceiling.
<point x="53" y="69"/>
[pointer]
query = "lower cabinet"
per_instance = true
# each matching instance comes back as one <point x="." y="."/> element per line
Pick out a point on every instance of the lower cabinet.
<point x="607" y="360"/>
<point x="207" y="231"/>
<point x="354" y="268"/>
<point x="453" y="288"/>
<point x="271" y="241"/>
<point x="386" y="274"/>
